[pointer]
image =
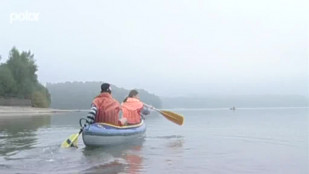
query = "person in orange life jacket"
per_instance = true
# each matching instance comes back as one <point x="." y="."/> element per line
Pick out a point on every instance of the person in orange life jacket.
<point x="105" y="108"/>
<point x="133" y="108"/>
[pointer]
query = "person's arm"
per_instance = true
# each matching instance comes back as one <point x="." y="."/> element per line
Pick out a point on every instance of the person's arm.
<point x="92" y="114"/>
<point x="145" y="110"/>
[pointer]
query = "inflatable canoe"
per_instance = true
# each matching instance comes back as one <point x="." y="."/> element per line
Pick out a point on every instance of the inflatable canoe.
<point x="103" y="134"/>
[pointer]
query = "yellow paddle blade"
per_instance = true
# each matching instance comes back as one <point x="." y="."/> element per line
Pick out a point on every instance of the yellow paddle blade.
<point x="176" y="118"/>
<point x="71" y="141"/>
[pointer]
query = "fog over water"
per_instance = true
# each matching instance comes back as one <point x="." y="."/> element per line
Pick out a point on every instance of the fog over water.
<point x="170" y="48"/>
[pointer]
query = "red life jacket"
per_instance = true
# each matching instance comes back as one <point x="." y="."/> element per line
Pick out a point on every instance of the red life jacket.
<point x="131" y="110"/>
<point x="107" y="109"/>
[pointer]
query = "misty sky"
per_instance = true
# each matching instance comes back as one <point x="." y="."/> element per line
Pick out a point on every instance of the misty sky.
<point x="170" y="48"/>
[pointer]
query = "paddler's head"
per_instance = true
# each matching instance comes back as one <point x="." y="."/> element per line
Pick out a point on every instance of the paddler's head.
<point x="106" y="87"/>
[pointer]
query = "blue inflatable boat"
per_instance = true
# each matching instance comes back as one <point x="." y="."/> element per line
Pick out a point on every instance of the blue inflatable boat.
<point x="103" y="134"/>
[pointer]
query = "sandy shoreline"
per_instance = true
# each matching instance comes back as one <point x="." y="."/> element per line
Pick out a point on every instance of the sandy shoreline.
<point x="17" y="110"/>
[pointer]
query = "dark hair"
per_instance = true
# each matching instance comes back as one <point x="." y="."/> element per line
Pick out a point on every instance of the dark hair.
<point x="132" y="93"/>
<point x="105" y="87"/>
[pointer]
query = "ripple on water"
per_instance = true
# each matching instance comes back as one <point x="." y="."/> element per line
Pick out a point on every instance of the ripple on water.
<point x="165" y="137"/>
<point x="264" y="140"/>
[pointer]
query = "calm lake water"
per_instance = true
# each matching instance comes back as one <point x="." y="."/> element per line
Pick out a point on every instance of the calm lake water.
<point x="261" y="141"/>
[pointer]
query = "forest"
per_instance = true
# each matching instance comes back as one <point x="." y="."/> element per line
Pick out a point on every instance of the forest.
<point x="18" y="79"/>
<point x="79" y="95"/>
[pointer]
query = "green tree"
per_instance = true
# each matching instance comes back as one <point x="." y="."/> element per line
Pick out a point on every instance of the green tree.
<point x="18" y="79"/>
<point x="40" y="97"/>
<point x="7" y="82"/>
<point x="23" y="69"/>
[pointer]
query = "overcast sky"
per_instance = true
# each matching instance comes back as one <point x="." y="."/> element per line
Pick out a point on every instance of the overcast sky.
<point x="170" y="48"/>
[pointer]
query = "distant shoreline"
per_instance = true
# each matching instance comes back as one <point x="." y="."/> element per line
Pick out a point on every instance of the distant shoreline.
<point x="240" y="108"/>
<point x="23" y="111"/>
<point x="31" y="111"/>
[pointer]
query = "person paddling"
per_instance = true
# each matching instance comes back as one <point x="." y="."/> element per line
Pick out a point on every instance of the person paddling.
<point x="133" y="108"/>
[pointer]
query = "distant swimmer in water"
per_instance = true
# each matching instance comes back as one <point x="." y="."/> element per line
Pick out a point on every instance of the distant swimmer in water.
<point x="233" y="108"/>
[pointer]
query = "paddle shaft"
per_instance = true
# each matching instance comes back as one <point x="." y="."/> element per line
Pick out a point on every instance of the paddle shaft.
<point x="171" y="116"/>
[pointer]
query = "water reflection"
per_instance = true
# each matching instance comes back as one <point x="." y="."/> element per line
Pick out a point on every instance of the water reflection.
<point x="124" y="158"/>
<point x="19" y="133"/>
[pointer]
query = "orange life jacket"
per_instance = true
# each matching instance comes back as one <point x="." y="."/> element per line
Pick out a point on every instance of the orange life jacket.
<point x="107" y="109"/>
<point x="131" y="110"/>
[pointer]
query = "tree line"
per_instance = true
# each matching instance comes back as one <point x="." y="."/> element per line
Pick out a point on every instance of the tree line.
<point x="18" y="79"/>
<point x="79" y="95"/>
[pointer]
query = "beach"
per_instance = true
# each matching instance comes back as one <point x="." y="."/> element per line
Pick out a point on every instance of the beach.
<point x="23" y="111"/>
